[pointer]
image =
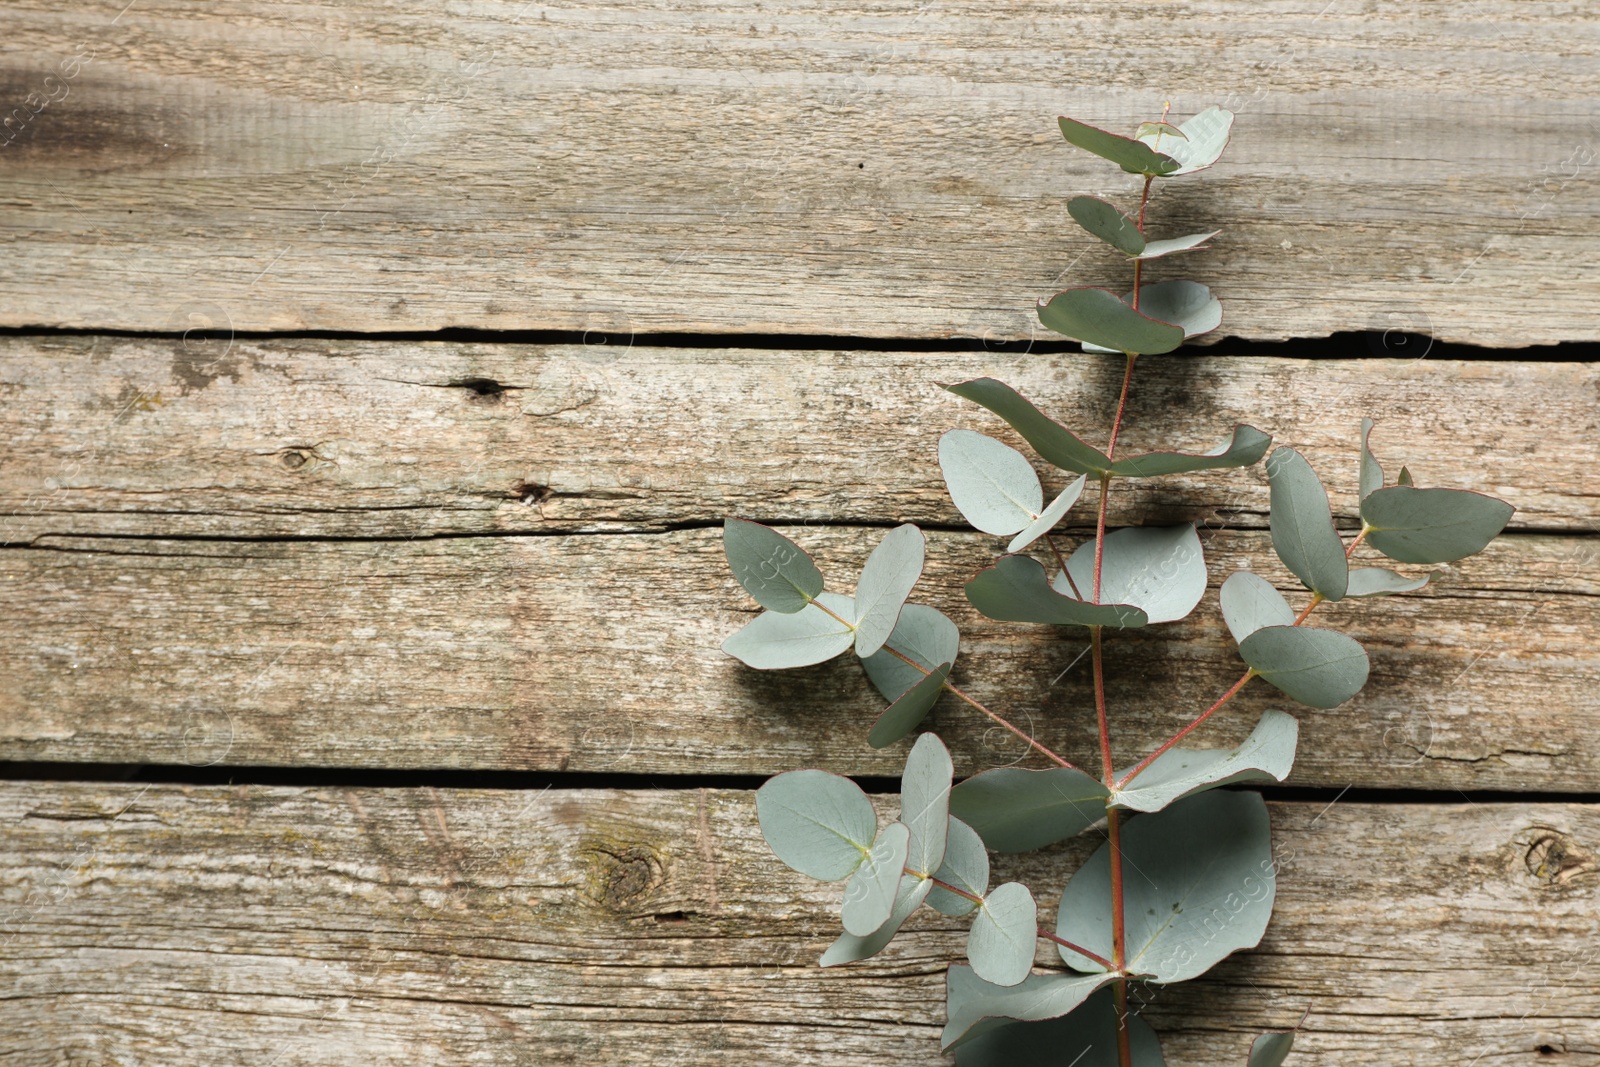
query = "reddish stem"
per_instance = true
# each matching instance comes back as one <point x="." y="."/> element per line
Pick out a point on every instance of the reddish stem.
<point x="1046" y="934"/>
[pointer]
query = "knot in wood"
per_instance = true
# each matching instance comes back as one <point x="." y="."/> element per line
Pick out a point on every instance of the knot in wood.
<point x="1554" y="858"/>
<point x="624" y="874"/>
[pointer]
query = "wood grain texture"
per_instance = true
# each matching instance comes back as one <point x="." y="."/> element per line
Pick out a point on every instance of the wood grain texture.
<point x="287" y="438"/>
<point x="885" y="168"/>
<point x="601" y="653"/>
<point x="253" y="924"/>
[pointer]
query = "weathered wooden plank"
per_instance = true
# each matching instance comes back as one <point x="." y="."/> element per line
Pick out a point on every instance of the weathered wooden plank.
<point x="600" y="653"/>
<point x="197" y="925"/>
<point x="338" y="438"/>
<point x="886" y="169"/>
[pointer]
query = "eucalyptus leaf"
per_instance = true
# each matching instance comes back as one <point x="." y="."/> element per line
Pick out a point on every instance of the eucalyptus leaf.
<point x="1246" y="446"/>
<point x="1001" y="942"/>
<point x="1166" y="129"/>
<point x="772" y="568"/>
<point x="1371" y="469"/>
<point x="966" y="866"/>
<point x="1102" y="219"/>
<point x="1182" y="303"/>
<point x="1199" y="885"/>
<point x="924" y="634"/>
<point x="1204" y="137"/>
<point x="849" y="948"/>
<point x="1053" y="514"/>
<point x="1085" y="1037"/>
<point x="890" y="572"/>
<point x="1270" y="1050"/>
<point x="775" y="641"/>
<point x="1017" y="809"/>
<point x="1131" y="155"/>
<point x="908" y="711"/>
<point x="819" y="823"/>
<point x="1016" y="589"/>
<point x="991" y="484"/>
<point x="1303" y="534"/>
<point x="1381" y="581"/>
<point x="1054" y="442"/>
<point x="925" y="803"/>
<point x="1159" y="569"/>
<point x="1099" y="317"/>
<point x="1319" y="668"/>
<point x="1404" y="478"/>
<point x="1250" y="602"/>
<point x="969" y="999"/>
<point x="869" y="896"/>
<point x="1413" y="525"/>
<point x="1189" y="243"/>
<point x="1267" y="755"/>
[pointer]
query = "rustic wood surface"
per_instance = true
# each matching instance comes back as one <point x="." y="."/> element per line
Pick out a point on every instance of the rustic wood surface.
<point x="286" y="438"/>
<point x="886" y="169"/>
<point x="297" y="926"/>
<point x="583" y="652"/>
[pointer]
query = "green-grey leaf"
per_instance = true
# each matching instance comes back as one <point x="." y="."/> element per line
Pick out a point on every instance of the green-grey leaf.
<point x="1102" y="219"/>
<point x="886" y="581"/>
<point x="1246" y="446"/>
<point x="1099" y="317"/>
<point x="1405" y="477"/>
<point x="1182" y="303"/>
<point x="1303" y="534"/>
<point x="1016" y="589"/>
<point x="1085" y="1037"/>
<point x="907" y="712"/>
<point x="924" y="634"/>
<point x="925" y="802"/>
<point x="991" y="484"/>
<point x="1189" y="243"/>
<point x="1250" y="602"/>
<point x="1158" y="569"/>
<point x="1199" y="885"/>
<point x="1133" y="156"/>
<point x="870" y="894"/>
<point x="1015" y="809"/>
<point x="772" y="568"/>
<point x="1319" y="668"/>
<point x="849" y="948"/>
<point x="1371" y="469"/>
<point x="1204" y="137"/>
<point x="1381" y="581"/>
<point x="1001" y="943"/>
<point x="1053" y="514"/>
<point x="966" y="866"/>
<point x="1413" y="525"/>
<point x="819" y="823"/>
<point x="1266" y="755"/>
<point x="1270" y="1050"/>
<point x="969" y="1000"/>
<point x="1053" y="441"/>
<point x="774" y="641"/>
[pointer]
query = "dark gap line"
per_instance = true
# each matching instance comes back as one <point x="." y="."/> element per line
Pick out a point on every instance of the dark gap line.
<point x="1371" y="344"/>
<point x="533" y="781"/>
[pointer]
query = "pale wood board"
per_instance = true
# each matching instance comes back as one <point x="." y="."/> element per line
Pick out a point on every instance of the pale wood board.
<point x="299" y="438"/>
<point x="889" y="168"/>
<point x="587" y="652"/>
<point x="187" y="925"/>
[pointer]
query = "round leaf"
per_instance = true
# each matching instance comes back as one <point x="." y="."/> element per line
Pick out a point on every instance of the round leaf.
<point x="1054" y="442"/>
<point x="966" y="866"/>
<point x="1158" y="569"/>
<point x="1270" y="1050"/>
<point x="1102" y="219"/>
<point x="925" y="803"/>
<point x="924" y="634"/>
<point x="1188" y="243"/>
<point x="1319" y="668"/>
<point x="1413" y="525"/>
<point x="772" y="568"/>
<point x="1182" y="303"/>
<point x="1250" y="602"/>
<point x="1016" y="589"/>
<point x="870" y="894"/>
<point x="1246" y="446"/>
<point x="1371" y="470"/>
<point x="886" y="581"/>
<point x="907" y="713"/>
<point x="1131" y="155"/>
<point x="1302" y="525"/>
<point x="820" y="824"/>
<point x="1015" y="809"/>
<point x="1204" y="137"/>
<point x="1381" y="581"/>
<point x="1266" y="755"/>
<point x="1002" y="939"/>
<point x="1085" y="1037"/>
<point x="1053" y="514"/>
<point x="969" y="1000"/>
<point x="991" y="484"/>
<point x="1198" y="884"/>
<point x="849" y="948"/>
<point x="1099" y="317"/>
<point x="773" y="641"/>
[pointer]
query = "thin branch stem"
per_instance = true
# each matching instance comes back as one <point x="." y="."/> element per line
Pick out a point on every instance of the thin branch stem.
<point x="1122" y="406"/>
<point x="836" y="615"/>
<point x="1046" y="934"/>
<point x="1108" y="772"/>
<point x="1119" y="947"/>
<point x="1062" y="560"/>
<point x="1079" y="949"/>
